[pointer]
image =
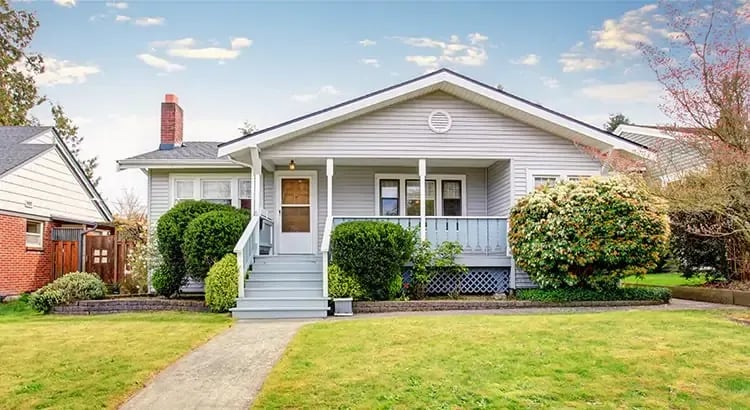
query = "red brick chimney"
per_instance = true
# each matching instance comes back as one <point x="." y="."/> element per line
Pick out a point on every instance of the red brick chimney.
<point x="171" y="123"/>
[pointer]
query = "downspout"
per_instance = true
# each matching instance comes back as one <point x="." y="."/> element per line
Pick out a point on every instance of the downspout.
<point x="82" y="245"/>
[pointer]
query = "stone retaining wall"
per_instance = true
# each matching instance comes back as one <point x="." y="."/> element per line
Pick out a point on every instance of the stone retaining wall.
<point x="433" y="305"/>
<point x="701" y="294"/>
<point x="121" y="305"/>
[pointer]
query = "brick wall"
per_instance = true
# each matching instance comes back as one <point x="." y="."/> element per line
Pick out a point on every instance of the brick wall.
<point x="22" y="269"/>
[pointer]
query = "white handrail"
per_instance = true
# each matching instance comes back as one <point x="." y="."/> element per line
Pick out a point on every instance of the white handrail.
<point x="245" y="251"/>
<point x="325" y="247"/>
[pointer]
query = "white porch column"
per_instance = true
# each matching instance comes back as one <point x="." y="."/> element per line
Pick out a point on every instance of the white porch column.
<point x="257" y="182"/>
<point x="329" y="187"/>
<point x="422" y="196"/>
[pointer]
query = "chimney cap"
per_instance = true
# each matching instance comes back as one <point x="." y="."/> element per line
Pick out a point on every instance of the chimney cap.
<point x="170" y="98"/>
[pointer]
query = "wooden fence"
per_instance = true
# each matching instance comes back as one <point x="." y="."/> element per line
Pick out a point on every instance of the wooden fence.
<point x="105" y="255"/>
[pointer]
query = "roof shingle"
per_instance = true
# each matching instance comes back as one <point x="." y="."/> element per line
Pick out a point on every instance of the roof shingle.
<point x="13" y="152"/>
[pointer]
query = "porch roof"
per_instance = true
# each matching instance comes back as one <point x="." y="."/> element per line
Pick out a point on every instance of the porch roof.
<point x="450" y="82"/>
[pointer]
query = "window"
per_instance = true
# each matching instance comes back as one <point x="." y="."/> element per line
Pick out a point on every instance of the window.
<point x="217" y="191"/>
<point x="246" y="193"/>
<point x="413" y="196"/>
<point x="34" y="234"/>
<point x="540" y="180"/>
<point x="389" y="197"/>
<point x="576" y="177"/>
<point x="183" y="189"/>
<point x="536" y="178"/>
<point x="451" y="198"/>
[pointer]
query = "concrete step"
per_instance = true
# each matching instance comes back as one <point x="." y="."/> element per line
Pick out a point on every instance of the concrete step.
<point x="283" y="303"/>
<point x="287" y="267"/>
<point x="252" y="313"/>
<point x="280" y="282"/>
<point x="292" y="292"/>
<point x="284" y="275"/>
<point x="271" y="259"/>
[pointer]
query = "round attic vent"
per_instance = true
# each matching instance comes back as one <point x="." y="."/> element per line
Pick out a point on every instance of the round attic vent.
<point x="439" y="121"/>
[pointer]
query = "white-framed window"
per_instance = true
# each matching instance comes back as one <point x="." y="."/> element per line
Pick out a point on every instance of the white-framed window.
<point x="34" y="234"/>
<point x="230" y="189"/>
<point x="537" y="178"/>
<point x="399" y="195"/>
<point x="218" y="191"/>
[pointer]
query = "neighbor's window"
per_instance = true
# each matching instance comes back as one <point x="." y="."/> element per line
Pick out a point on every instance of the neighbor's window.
<point x="412" y="197"/>
<point x="576" y="177"/>
<point x="217" y="191"/>
<point x="540" y="180"/>
<point x="451" y="198"/>
<point x="34" y="234"/>
<point x="183" y="189"/>
<point x="246" y="193"/>
<point x="389" y="199"/>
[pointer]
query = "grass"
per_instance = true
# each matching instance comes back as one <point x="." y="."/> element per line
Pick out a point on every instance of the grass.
<point x="90" y="361"/>
<point x="664" y="279"/>
<point x="631" y="359"/>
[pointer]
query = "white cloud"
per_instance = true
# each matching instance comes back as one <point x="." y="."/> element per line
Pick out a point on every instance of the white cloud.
<point x="188" y="48"/>
<point x="322" y="91"/>
<point x="550" y="82"/>
<point x="631" y="92"/>
<point x="572" y="62"/>
<point x="634" y="27"/>
<point x="529" y="59"/>
<point x="66" y="3"/>
<point x="240" y="42"/>
<point x="160" y="63"/>
<point x="120" y="5"/>
<point x="64" y="72"/>
<point x="453" y="51"/>
<point x="120" y="18"/>
<point x="149" y="21"/>
<point x="367" y="42"/>
<point x="371" y="62"/>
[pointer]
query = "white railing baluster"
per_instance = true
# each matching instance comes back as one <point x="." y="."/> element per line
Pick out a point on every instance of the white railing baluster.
<point x="257" y="235"/>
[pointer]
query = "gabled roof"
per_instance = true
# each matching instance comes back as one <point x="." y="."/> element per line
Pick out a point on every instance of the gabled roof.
<point x="18" y="148"/>
<point x="442" y="80"/>
<point x="191" y="153"/>
<point x="672" y="156"/>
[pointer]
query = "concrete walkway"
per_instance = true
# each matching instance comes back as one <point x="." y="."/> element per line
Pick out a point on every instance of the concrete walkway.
<point x="225" y="373"/>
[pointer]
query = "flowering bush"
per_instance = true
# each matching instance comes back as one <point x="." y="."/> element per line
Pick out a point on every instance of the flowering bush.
<point x="588" y="233"/>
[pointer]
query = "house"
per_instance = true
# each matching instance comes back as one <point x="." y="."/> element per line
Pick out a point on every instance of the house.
<point x="441" y="152"/>
<point x="42" y="187"/>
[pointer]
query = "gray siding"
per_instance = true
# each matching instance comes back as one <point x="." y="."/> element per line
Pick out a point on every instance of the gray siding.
<point x="498" y="189"/>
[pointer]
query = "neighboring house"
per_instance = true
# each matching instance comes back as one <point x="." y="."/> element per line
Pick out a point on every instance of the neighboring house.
<point x="671" y="158"/>
<point x="42" y="186"/>
<point x="441" y="152"/>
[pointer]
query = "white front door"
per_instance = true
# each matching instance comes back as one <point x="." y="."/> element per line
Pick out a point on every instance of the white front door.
<point x="297" y="208"/>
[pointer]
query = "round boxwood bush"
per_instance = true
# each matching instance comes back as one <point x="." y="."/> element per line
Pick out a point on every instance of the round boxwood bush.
<point x="221" y="284"/>
<point x="169" y="234"/>
<point x="588" y="233"/>
<point x="67" y="289"/>
<point x="375" y="253"/>
<point x="165" y="281"/>
<point x="342" y="284"/>
<point x="209" y="237"/>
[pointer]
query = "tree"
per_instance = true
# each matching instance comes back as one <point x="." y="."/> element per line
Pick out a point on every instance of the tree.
<point x="616" y="120"/>
<point x="705" y="72"/>
<point x="18" y="92"/>
<point x="130" y="217"/>
<point x="68" y="132"/>
<point x="247" y="128"/>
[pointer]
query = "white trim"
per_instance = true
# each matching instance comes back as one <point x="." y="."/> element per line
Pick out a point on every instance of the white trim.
<point x="560" y="174"/>
<point x="177" y="163"/>
<point x="636" y="129"/>
<point x="40" y="234"/>
<point x="441" y="80"/>
<point x="197" y="178"/>
<point x="438" y="178"/>
<point x="313" y="175"/>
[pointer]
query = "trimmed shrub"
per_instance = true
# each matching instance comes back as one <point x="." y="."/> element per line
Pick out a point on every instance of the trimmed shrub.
<point x="342" y="284"/>
<point x="699" y="254"/>
<point x="165" y="281"/>
<point x="375" y="253"/>
<point x="221" y="284"/>
<point x="67" y="289"/>
<point x="585" y="295"/>
<point x="589" y="233"/>
<point x="209" y="237"/>
<point x="169" y="233"/>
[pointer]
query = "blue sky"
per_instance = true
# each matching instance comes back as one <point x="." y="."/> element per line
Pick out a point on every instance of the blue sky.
<point x="110" y="63"/>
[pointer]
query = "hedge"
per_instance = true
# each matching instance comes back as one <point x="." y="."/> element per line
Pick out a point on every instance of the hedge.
<point x="221" y="284"/>
<point x="67" y="289"/>
<point x="585" y="295"/>
<point x="209" y="237"/>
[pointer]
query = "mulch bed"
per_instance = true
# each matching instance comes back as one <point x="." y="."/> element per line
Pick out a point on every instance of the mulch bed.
<point x="130" y="304"/>
<point x="440" y="305"/>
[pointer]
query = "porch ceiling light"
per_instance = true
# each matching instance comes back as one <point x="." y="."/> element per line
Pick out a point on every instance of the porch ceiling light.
<point x="292" y="165"/>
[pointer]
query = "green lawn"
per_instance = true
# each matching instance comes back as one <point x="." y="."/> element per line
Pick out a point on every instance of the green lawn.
<point x="90" y="361"/>
<point x="664" y="279"/>
<point x="646" y="359"/>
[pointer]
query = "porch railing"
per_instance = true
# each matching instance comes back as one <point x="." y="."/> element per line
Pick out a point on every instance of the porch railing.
<point x="257" y="237"/>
